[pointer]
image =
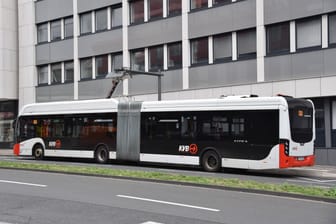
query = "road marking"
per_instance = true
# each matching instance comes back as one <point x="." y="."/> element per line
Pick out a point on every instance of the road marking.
<point x="316" y="180"/>
<point x="149" y="222"/>
<point x="22" y="183"/>
<point x="169" y="203"/>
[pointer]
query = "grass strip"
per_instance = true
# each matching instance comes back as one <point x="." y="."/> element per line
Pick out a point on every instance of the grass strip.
<point x="214" y="181"/>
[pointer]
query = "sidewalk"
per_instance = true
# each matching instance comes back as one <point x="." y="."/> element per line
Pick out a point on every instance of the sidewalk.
<point x="6" y="152"/>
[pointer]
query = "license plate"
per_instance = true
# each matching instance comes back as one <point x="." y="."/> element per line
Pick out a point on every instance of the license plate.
<point x="300" y="158"/>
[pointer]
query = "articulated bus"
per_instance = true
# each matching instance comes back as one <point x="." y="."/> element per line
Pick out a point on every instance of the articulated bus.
<point x="247" y="132"/>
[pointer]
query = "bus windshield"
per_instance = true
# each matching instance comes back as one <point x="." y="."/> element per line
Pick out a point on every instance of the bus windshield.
<point x="301" y="120"/>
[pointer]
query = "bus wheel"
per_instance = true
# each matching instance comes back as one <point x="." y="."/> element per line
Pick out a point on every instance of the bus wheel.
<point x="102" y="154"/>
<point x="211" y="161"/>
<point x="38" y="152"/>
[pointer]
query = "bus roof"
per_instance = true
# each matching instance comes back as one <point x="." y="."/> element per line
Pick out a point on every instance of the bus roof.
<point x="225" y="103"/>
<point x="71" y="107"/>
<point x="111" y="105"/>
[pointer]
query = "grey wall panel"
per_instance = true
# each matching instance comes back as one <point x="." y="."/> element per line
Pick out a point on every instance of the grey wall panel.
<point x="329" y="61"/>
<point x="55" y="93"/>
<point x="284" y="10"/>
<point x="142" y="84"/>
<point x="278" y="68"/>
<point x="226" y="18"/>
<point x="224" y="74"/>
<point x="155" y="32"/>
<point x="54" y="52"/>
<point x="87" y="5"/>
<point x="100" y="43"/>
<point x="42" y="54"/>
<point x="97" y="89"/>
<point x="61" y="50"/>
<point x="50" y="9"/>
<point x="306" y="65"/>
<point x="301" y="65"/>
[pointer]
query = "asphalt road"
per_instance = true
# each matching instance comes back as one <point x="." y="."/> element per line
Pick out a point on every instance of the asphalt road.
<point x="37" y="197"/>
<point x="323" y="176"/>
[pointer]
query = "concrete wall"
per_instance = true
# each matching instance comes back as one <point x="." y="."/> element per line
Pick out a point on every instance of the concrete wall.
<point x="48" y="10"/>
<point x="8" y="49"/>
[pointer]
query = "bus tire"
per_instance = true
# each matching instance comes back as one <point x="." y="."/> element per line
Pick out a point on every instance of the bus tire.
<point x="211" y="161"/>
<point x="101" y="154"/>
<point x="38" y="152"/>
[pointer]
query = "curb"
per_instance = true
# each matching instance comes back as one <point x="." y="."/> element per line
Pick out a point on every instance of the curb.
<point x="245" y="190"/>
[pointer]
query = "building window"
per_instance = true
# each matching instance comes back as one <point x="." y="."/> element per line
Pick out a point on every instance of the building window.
<point x="197" y="4"/>
<point x="175" y="55"/>
<point x="68" y="27"/>
<point x="332" y="29"/>
<point x="42" y="33"/>
<point x="155" y="9"/>
<point x="199" y="51"/>
<point x="333" y="126"/>
<point x="69" y="71"/>
<point x="278" y="39"/>
<point x="215" y="2"/>
<point x="222" y="47"/>
<point x="246" y="42"/>
<point x="55" y="30"/>
<point x="319" y="122"/>
<point x="101" y="20"/>
<point x="174" y="7"/>
<point x="86" y="23"/>
<point x="116" y="15"/>
<point x="86" y="68"/>
<point x="137" y="11"/>
<point x="138" y="60"/>
<point x="155" y="59"/>
<point x="101" y="65"/>
<point x="308" y="33"/>
<point x="42" y="72"/>
<point x="117" y="61"/>
<point x="56" y="73"/>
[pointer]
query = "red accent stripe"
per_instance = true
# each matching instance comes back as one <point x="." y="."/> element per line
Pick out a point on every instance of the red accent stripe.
<point x="292" y="161"/>
<point x="16" y="149"/>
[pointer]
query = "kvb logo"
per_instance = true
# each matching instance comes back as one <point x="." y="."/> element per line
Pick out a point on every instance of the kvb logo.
<point x="192" y="149"/>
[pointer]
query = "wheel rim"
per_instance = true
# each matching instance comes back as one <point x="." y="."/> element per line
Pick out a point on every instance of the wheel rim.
<point x="38" y="153"/>
<point x="102" y="155"/>
<point x="212" y="162"/>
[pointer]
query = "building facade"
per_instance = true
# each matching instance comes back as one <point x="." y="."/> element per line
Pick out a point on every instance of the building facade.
<point x="204" y="48"/>
<point x="8" y="69"/>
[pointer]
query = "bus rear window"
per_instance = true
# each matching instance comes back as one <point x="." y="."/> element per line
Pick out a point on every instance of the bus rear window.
<point x="301" y="121"/>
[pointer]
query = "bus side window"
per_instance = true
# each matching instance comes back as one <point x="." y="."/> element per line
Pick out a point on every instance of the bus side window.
<point x="188" y="126"/>
<point x="238" y="126"/>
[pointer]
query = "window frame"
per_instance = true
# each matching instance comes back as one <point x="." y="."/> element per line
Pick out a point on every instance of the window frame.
<point x="173" y="12"/>
<point x="222" y="59"/>
<point x="330" y="44"/>
<point x="309" y="48"/>
<point x="157" y="67"/>
<point x="113" y="8"/>
<point x="105" y="67"/>
<point x="281" y="51"/>
<point x="149" y="10"/>
<point x="65" y="28"/>
<point x="58" y="37"/>
<point x="39" y="68"/>
<point x="80" y="65"/>
<point x="89" y="15"/>
<point x="104" y="19"/>
<point x="249" y="55"/>
<point x="131" y="14"/>
<point x="179" y="65"/>
<point x="202" y="62"/>
<point x="38" y="33"/>
<point x="65" y="72"/>
<point x="198" y="8"/>
<point x="132" y="54"/>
